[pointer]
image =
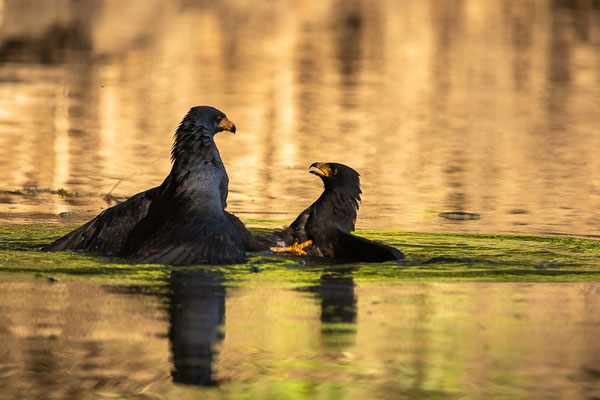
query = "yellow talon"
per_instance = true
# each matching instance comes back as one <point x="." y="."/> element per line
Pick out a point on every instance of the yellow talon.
<point x="296" y="248"/>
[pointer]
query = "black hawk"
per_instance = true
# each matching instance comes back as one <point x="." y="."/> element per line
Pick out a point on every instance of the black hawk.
<point x="180" y="222"/>
<point x="324" y="229"/>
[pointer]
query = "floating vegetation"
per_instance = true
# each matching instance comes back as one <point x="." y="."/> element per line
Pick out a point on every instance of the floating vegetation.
<point x="62" y="193"/>
<point x="459" y="215"/>
<point x="429" y="256"/>
<point x="32" y="191"/>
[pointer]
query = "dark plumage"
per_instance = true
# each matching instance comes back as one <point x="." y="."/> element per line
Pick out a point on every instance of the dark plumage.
<point x="180" y="222"/>
<point x="328" y="222"/>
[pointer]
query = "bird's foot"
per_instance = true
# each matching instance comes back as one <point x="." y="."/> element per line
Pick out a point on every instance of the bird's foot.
<point x="296" y="248"/>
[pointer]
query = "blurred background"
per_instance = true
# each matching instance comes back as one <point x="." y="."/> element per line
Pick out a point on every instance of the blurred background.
<point x="486" y="107"/>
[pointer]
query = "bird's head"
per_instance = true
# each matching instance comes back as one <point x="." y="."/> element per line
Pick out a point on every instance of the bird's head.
<point x="207" y="119"/>
<point x="337" y="177"/>
<point x="199" y="127"/>
<point x="342" y="189"/>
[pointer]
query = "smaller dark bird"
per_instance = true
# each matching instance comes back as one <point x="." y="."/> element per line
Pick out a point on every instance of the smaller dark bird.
<point x="324" y="229"/>
<point x="180" y="222"/>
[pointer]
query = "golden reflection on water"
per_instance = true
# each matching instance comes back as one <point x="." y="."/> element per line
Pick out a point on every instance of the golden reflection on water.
<point x="349" y="339"/>
<point x="485" y="107"/>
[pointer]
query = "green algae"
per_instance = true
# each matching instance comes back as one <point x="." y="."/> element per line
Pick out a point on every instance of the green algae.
<point x="19" y="253"/>
<point x="429" y="256"/>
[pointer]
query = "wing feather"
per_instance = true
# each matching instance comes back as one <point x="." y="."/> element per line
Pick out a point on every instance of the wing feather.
<point x="108" y="231"/>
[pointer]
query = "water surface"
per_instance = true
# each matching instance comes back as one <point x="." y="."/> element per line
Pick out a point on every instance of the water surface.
<point x="487" y="107"/>
<point x="327" y="336"/>
<point x="484" y="107"/>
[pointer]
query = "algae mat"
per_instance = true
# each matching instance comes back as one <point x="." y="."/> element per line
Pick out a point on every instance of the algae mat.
<point x="429" y="256"/>
<point x="80" y="326"/>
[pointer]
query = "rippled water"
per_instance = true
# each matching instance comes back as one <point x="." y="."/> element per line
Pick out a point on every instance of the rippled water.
<point x="484" y="107"/>
<point x="328" y="337"/>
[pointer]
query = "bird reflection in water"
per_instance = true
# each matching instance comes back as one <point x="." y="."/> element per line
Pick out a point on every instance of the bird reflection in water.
<point x="196" y="314"/>
<point x="335" y="290"/>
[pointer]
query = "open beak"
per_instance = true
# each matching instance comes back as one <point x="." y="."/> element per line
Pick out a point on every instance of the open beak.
<point x="320" y="169"/>
<point x="227" y="125"/>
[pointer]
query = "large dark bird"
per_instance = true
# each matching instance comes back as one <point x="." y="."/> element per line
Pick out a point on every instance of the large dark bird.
<point x="324" y="229"/>
<point x="180" y="222"/>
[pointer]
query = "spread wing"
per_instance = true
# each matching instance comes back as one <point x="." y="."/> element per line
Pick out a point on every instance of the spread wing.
<point x="108" y="231"/>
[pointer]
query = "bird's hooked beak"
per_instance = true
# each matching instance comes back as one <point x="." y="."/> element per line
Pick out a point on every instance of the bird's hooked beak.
<point x="320" y="169"/>
<point x="227" y="125"/>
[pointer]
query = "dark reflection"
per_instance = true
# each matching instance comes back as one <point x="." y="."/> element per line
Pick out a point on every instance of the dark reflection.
<point x="335" y="290"/>
<point x="559" y="62"/>
<point x="583" y="13"/>
<point x="522" y="37"/>
<point x="196" y="314"/>
<point x="348" y="27"/>
<point x="50" y="47"/>
<point x="348" y="31"/>
<point x="35" y="32"/>
<point x="308" y="76"/>
<point x="448" y="23"/>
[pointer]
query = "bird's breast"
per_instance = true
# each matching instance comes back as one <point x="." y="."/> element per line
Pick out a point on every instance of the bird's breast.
<point x="201" y="185"/>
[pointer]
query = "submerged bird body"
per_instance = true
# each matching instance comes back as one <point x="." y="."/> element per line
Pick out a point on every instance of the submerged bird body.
<point x="180" y="222"/>
<point x="328" y="222"/>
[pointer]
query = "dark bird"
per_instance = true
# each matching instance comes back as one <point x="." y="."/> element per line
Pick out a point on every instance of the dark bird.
<point x="324" y="229"/>
<point x="180" y="222"/>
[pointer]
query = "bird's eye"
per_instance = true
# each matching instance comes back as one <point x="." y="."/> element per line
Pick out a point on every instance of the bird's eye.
<point x="219" y="119"/>
<point x="334" y="171"/>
